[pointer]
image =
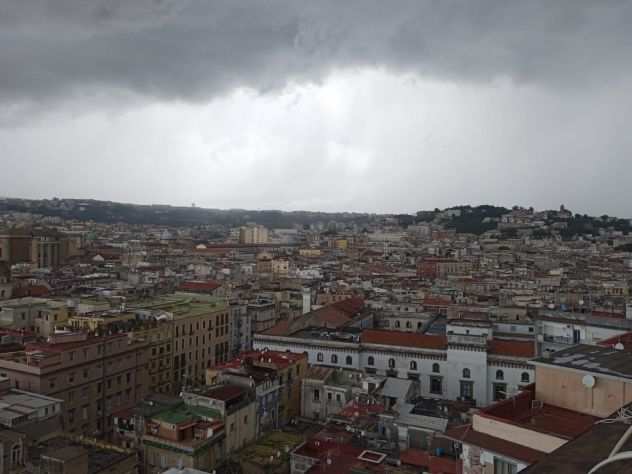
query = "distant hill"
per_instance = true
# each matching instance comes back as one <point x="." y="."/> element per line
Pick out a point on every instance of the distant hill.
<point x="113" y="212"/>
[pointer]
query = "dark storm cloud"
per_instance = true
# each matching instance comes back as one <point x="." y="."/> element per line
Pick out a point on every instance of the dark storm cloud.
<point x="194" y="50"/>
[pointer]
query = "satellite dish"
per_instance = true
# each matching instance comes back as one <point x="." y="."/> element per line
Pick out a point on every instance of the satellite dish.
<point x="619" y="346"/>
<point x="588" y="381"/>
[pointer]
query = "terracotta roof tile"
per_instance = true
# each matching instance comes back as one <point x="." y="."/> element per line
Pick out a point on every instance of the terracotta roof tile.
<point x="208" y="285"/>
<point x="512" y="348"/>
<point x="467" y="435"/>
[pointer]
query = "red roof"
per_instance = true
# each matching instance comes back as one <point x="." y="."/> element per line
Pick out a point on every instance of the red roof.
<point x="277" y="358"/>
<point x="331" y="316"/>
<point x="225" y="392"/>
<point x="512" y="348"/>
<point x="356" y="409"/>
<point x="208" y="285"/>
<point x="415" y="457"/>
<point x="433" y="301"/>
<point x="467" y="435"/>
<point x="548" y="419"/>
<point x="37" y="291"/>
<point x="443" y="465"/>
<point x="351" y="306"/>
<point x="406" y="339"/>
<point x="282" y="328"/>
<point x="625" y="339"/>
<point x="432" y="464"/>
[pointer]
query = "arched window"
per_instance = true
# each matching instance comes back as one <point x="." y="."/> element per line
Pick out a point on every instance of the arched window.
<point x="435" y="368"/>
<point x="524" y="378"/>
<point x="371" y="360"/>
<point x="413" y="365"/>
<point x="409" y="325"/>
<point x="391" y="363"/>
<point x="334" y="359"/>
<point x="349" y="360"/>
<point x="320" y="357"/>
<point x="396" y="324"/>
<point x="418" y="325"/>
<point x="466" y="373"/>
<point x="500" y="375"/>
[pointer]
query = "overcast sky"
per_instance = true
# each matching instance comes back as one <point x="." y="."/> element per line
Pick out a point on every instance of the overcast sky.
<point x="377" y="106"/>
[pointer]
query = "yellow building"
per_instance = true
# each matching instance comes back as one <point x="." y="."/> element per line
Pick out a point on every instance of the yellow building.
<point x="96" y="322"/>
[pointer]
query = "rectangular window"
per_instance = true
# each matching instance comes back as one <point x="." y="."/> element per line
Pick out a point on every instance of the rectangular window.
<point x="467" y="390"/>
<point x="436" y="384"/>
<point x="500" y="391"/>
<point x="504" y="467"/>
<point x="316" y="395"/>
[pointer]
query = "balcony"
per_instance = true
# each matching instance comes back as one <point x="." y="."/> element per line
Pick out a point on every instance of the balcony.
<point x="558" y="339"/>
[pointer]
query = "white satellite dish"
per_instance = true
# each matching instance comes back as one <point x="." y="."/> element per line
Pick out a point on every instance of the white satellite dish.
<point x="588" y="381"/>
<point x="619" y="346"/>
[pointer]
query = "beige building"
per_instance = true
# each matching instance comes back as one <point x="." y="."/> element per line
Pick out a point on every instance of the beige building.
<point x="45" y="248"/>
<point x="37" y="315"/>
<point x="201" y="338"/>
<point x="253" y="234"/>
<point x="15" y="246"/>
<point x="74" y="455"/>
<point x="186" y="436"/>
<point x="96" y="322"/>
<point x="574" y="389"/>
<point x="237" y="408"/>
<point x="587" y="379"/>
<point x="94" y="376"/>
<point x="310" y="252"/>
<point x="159" y="336"/>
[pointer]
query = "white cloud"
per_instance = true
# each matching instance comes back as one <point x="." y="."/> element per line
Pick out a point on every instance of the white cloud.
<point x="363" y="139"/>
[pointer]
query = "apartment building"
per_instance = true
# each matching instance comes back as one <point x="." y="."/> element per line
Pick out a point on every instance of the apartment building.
<point x="185" y="436"/>
<point x="201" y="338"/>
<point x="289" y="368"/>
<point x="436" y="267"/>
<point x="262" y="315"/>
<point x="236" y="405"/>
<point x="253" y="234"/>
<point x="39" y="316"/>
<point x="94" y="376"/>
<point x="468" y="364"/>
<point x="265" y="383"/>
<point x="574" y="390"/>
<point x="159" y="335"/>
<point x="326" y="391"/>
<point x="34" y="415"/>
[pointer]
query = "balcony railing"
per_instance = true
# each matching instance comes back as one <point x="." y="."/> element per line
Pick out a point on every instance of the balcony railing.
<point x="558" y="339"/>
<point x="467" y="339"/>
